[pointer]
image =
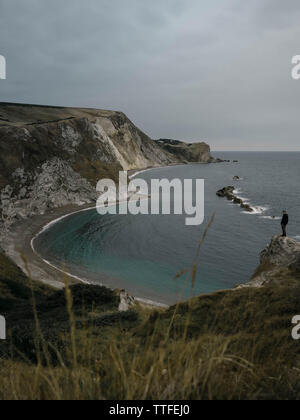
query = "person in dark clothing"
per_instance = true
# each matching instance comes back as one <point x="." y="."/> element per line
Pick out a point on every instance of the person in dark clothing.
<point x="284" y="223"/>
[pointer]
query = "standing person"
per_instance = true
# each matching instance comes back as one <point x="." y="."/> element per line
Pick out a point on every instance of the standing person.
<point x="284" y="223"/>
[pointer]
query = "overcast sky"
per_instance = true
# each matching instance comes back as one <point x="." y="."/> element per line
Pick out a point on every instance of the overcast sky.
<point x="213" y="70"/>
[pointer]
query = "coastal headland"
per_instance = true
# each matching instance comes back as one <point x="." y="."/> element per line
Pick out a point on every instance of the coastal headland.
<point x="89" y="342"/>
<point x="50" y="161"/>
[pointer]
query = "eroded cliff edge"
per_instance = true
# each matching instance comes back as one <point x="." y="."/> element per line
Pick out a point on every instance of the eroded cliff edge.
<point x="279" y="264"/>
<point x="52" y="157"/>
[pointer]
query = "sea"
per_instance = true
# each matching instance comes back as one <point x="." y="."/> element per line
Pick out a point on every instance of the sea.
<point x="152" y="256"/>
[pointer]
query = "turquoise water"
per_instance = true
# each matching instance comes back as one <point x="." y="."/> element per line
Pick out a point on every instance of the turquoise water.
<point x="144" y="253"/>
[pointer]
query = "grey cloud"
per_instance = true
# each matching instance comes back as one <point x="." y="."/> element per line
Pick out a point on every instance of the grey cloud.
<point x="217" y="70"/>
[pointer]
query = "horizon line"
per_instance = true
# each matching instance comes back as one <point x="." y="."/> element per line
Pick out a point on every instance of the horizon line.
<point x="255" y="151"/>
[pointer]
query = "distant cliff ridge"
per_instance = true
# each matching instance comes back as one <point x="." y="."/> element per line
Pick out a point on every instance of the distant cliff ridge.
<point x="53" y="156"/>
<point x="187" y="152"/>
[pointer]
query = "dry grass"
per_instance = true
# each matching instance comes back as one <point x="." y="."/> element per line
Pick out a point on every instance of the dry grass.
<point x="154" y="360"/>
<point x="227" y="345"/>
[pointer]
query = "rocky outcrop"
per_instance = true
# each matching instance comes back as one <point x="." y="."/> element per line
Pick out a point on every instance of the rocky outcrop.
<point x="279" y="263"/>
<point x="53" y="184"/>
<point x="51" y="156"/>
<point x="218" y="160"/>
<point x="126" y="301"/>
<point x="228" y="192"/>
<point x="282" y="251"/>
<point x="187" y="152"/>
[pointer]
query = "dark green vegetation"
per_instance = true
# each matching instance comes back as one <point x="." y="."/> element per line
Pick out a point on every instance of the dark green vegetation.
<point x="20" y="298"/>
<point x="74" y="344"/>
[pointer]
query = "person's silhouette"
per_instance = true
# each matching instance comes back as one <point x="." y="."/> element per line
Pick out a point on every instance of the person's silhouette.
<point x="284" y="223"/>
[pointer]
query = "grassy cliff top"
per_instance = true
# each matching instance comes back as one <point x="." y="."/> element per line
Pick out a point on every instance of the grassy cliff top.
<point x="13" y="114"/>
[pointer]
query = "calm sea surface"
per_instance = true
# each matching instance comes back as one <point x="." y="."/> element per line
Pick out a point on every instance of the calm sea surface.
<point x="144" y="253"/>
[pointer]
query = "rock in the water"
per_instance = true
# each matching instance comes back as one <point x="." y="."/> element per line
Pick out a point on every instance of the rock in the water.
<point x="126" y="301"/>
<point x="246" y="207"/>
<point x="228" y="192"/>
<point x="225" y="192"/>
<point x="237" y="200"/>
<point x="218" y="160"/>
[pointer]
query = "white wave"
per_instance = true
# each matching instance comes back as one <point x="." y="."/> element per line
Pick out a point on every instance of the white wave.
<point x="135" y="174"/>
<point x="80" y="279"/>
<point x="270" y="217"/>
<point x="237" y="193"/>
<point x="245" y="199"/>
<point x="256" y="210"/>
<point x="261" y="209"/>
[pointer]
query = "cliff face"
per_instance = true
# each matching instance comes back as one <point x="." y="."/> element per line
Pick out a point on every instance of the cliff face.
<point x="51" y="157"/>
<point x="187" y="152"/>
<point x="279" y="263"/>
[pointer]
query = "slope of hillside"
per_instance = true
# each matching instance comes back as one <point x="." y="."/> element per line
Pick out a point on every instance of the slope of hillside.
<point x="52" y="157"/>
<point x="226" y="345"/>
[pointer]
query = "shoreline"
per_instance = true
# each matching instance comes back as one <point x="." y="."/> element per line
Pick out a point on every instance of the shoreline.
<point x="20" y="248"/>
<point x="132" y="173"/>
<point x="18" y="245"/>
<point x="143" y="301"/>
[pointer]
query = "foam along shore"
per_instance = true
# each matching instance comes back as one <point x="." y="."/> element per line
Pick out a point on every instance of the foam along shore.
<point x="141" y="300"/>
<point x="19" y="246"/>
<point x="133" y="173"/>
